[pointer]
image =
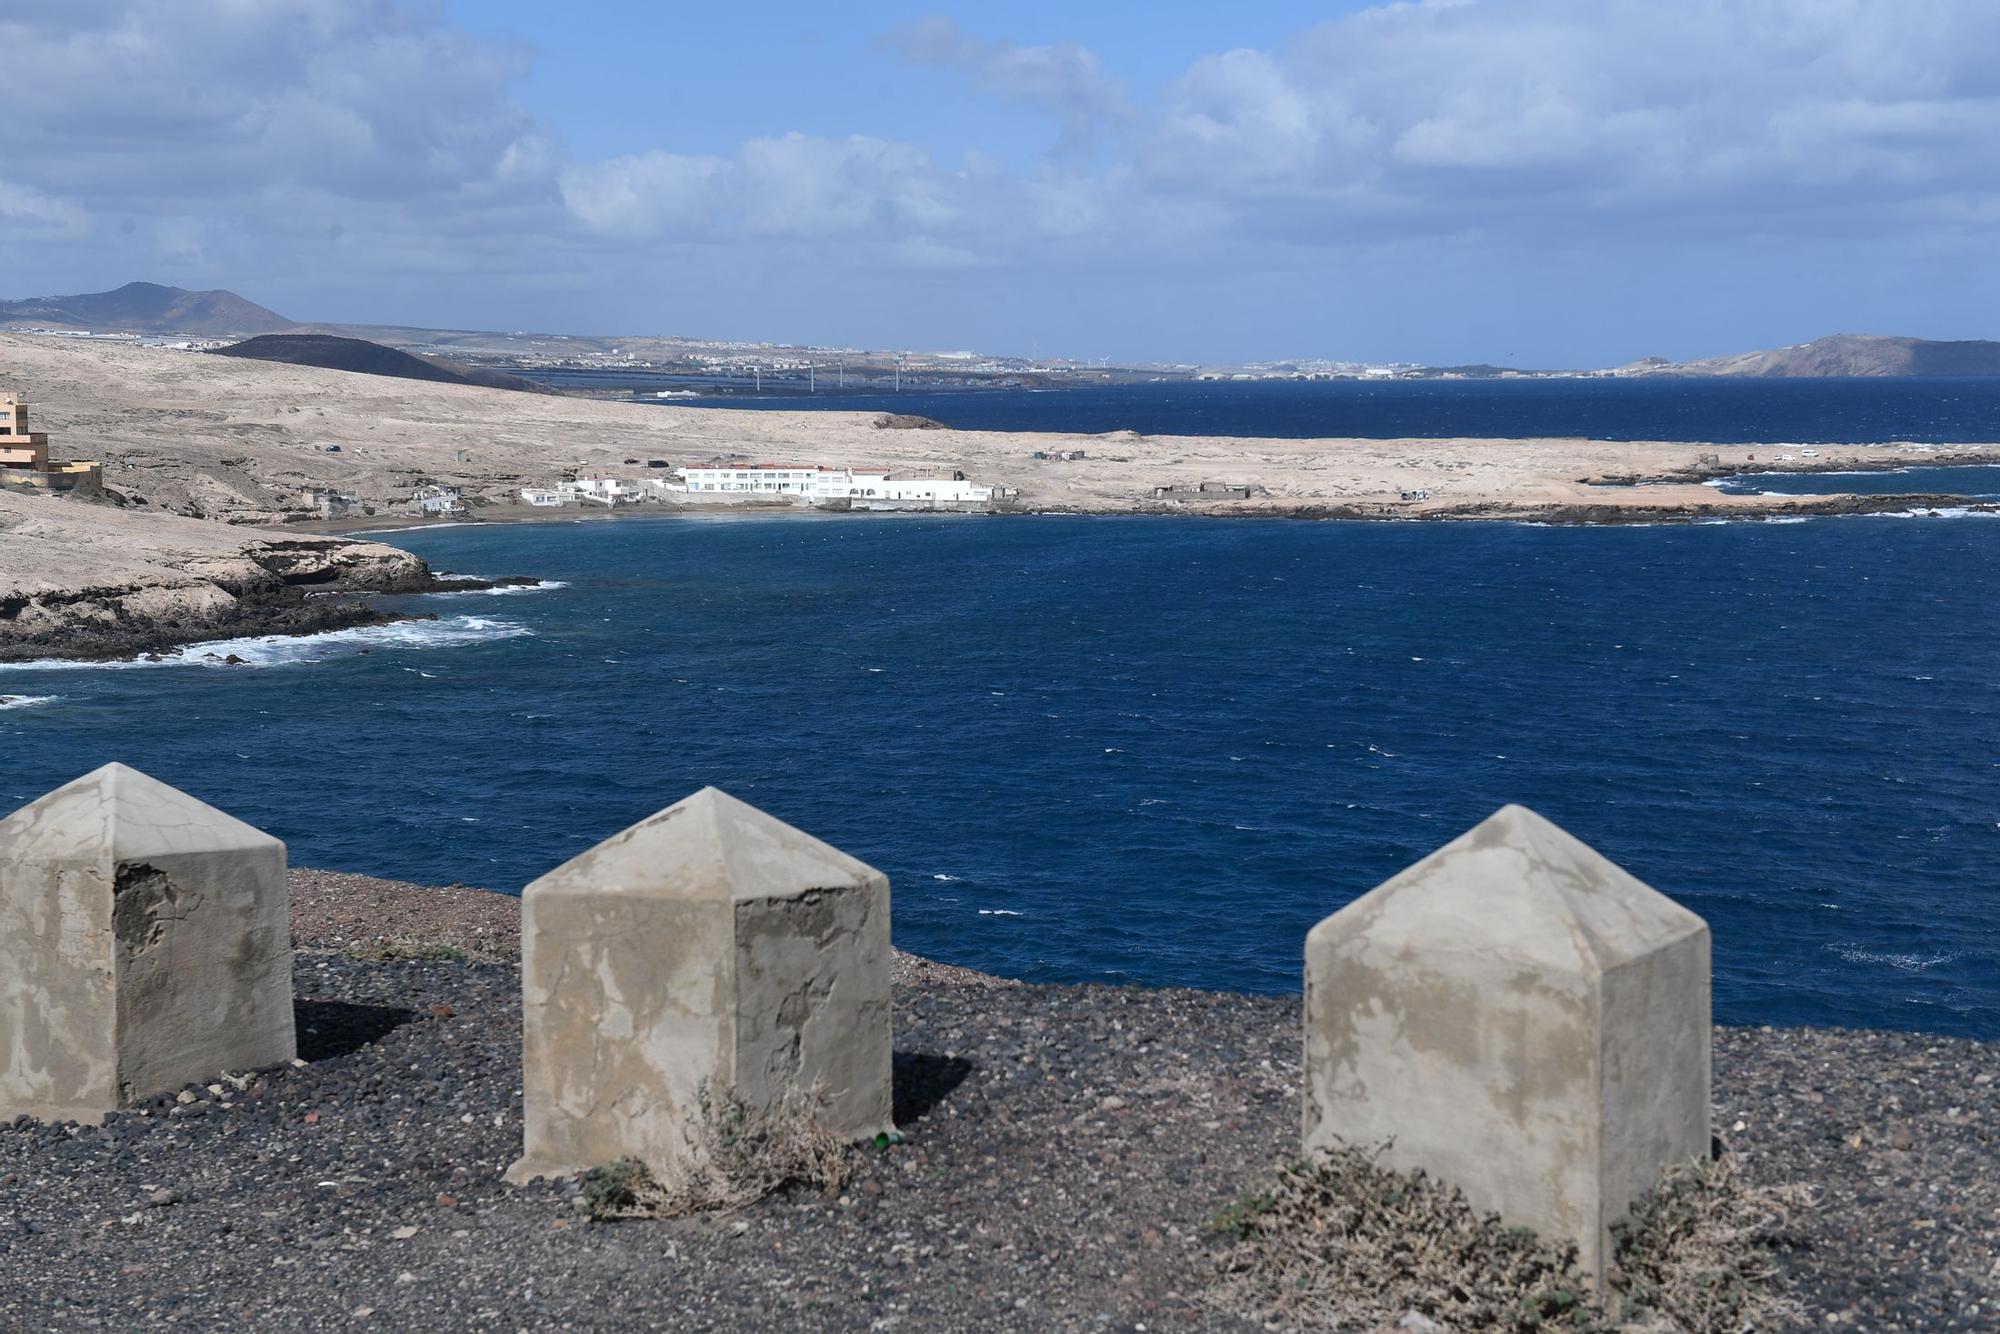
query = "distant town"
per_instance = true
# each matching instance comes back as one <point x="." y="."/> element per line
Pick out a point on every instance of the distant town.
<point x="661" y="366"/>
<point x="675" y="366"/>
<point x="578" y="363"/>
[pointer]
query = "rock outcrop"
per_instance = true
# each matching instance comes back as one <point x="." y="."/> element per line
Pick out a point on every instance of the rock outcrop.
<point x="93" y="581"/>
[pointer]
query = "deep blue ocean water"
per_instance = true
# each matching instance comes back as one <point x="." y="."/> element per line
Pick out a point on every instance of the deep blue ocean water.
<point x="1725" y="411"/>
<point x="1157" y="750"/>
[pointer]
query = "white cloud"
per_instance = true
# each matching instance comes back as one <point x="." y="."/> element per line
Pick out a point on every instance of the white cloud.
<point x="792" y="187"/>
<point x="26" y="213"/>
<point x="1066" y="80"/>
<point x="246" y="139"/>
<point x="871" y="198"/>
<point x="1527" y="109"/>
<point x="216" y="100"/>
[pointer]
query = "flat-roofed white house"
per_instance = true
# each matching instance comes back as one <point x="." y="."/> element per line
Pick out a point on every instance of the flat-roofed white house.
<point x="542" y="497"/>
<point x="953" y="490"/>
<point x="439" y="500"/>
<point x="598" y="490"/>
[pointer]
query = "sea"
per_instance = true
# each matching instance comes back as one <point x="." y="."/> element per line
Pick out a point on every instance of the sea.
<point x="1720" y="411"/>
<point x="1157" y="750"/>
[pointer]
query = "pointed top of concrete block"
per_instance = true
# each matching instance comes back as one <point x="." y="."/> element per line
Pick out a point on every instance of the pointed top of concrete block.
<point x="709" y="846"/>
<point x="1518" y="887"/>
<point x="127" y="814"/>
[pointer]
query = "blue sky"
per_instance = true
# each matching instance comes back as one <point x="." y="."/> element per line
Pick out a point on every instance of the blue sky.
<point x="1531" y="182"/>
<point x="681" y="70"/>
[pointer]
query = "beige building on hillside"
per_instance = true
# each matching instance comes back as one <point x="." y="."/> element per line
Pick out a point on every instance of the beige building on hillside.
<point x="20" y="447"/>
<point x="24" y="455"/>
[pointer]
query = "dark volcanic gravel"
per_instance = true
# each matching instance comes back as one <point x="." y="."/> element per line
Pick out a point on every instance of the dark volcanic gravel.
<point x="1066" y="1145"/>
<point x="1063" y="1153"/>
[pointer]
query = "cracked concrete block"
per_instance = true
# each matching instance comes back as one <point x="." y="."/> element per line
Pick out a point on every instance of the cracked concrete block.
<point x="709" y="944"/>
<point x="145" y="943"/>
<point x="1520" y="1018"/>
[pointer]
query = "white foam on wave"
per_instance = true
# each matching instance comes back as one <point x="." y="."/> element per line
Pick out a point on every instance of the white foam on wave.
<point x="1000" y="912"/>
<point x="425" y="527"/>
<point x="1907" y="963"/>
<point x="286" y="650"/>
<point x="25" y="701"/>
<point x="539" y="586"/>
<point x="1941" y="512"/>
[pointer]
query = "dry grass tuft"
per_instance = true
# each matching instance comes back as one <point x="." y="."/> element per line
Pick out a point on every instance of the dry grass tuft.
<point x="1699" y="1252"/>
<point x="1343" y="1243"/>
<point x="732" y="1156"/>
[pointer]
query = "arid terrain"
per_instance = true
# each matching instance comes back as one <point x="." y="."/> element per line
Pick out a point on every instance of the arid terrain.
<point x="1071" y="1160"/>
<point x="188" y="436"/>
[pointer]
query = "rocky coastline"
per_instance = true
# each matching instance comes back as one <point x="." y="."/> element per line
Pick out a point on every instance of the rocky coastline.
<point x="93" y="583"/>
<point x="1068" y="1151"/>
<point x="1584" y="513"/>
<point x="1785" y="507"/>
<point x="240" y="581"/>
<point x="1846" y="462"/>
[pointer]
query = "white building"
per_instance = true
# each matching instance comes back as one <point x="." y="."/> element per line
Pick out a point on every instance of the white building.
<point x="817" y="484"/>
<point x="953" y="490"/>
<point x="758" y="479"/>
<point x="439" y="500"/>
<point x="541" y="496"/>
<point x="598" y="490"/>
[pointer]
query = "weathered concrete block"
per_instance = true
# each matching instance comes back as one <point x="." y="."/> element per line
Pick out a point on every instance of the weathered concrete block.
<point x="1522" y="1019"/>
<point x="709" y="944"/>
<point x="145" y="943"/>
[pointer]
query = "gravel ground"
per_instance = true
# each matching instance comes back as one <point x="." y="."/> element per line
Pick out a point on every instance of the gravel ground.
<point x="1066" y="1146"/>
<point x="338" y="911"/>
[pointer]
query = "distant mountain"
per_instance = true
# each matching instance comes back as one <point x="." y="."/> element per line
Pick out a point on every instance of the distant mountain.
<point x="356" y="354"/>
<point x="146" y="308"/>
<point x="1843" y="354"/>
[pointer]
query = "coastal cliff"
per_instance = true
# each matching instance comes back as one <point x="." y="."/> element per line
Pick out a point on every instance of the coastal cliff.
<point x="93" y="581"/>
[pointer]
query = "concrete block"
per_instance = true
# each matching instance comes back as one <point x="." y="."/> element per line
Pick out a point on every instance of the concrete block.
<point x="145" y="943"/>
<point x="1520" y="1018"/>
<point x="707" y="944"/>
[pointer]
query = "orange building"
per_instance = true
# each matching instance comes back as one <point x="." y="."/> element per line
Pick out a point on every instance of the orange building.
<point x="24" y="455"/>
<point x="20" y="447"/>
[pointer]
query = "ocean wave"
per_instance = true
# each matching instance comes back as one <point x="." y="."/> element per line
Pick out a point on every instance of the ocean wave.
<point x="539" y="586"/>
<point x="424" y="527"/>
<point x="1000" y="912"/>
<point x="286" y="650"/>
<point x="1907" y="963"/>
<point x="1941" y="512"/>
<point x="25" y="701"/>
